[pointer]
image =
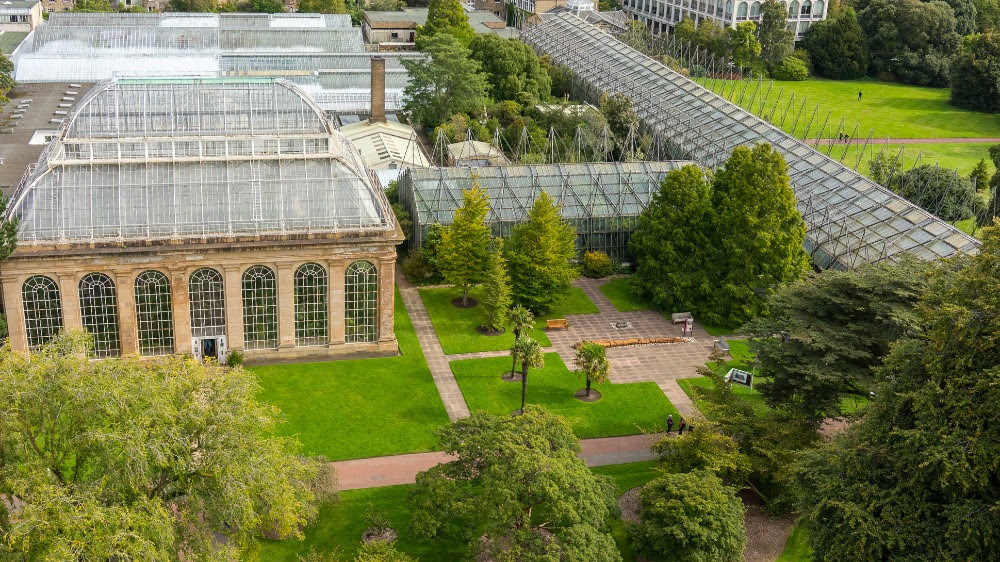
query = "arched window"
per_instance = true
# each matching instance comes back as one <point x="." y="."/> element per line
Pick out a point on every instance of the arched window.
<point x="154" y="315"/>
<point x="99" y="313"/>
<point x="206" y="294"/>
<point x="361" y="294"/>
<point x="729" y="9"/>
<point x="818" y="7"/>
<point x="260" y="308"/>
<point x="755" y="10"/>
<point x="741" y="10"/>
<point x="42" y="310"/>
<point x="311" y="306"/>
<point x="806" y="8"/>
<point x="793" y="9"/>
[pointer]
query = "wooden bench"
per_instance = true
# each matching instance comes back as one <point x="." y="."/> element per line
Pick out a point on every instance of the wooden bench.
<point x="680" y="317"/>
<point x="557" y="324"/>
<point x="722" y="345"/>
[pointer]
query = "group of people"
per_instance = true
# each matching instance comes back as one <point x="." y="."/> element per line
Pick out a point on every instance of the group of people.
<point x="844" y="138"/>
<point x="680" y="427"/>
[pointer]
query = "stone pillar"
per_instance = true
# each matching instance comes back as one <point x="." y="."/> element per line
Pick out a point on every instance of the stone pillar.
<point x="69" y="294"/>
<point x="377" y="114"/>
<point x="15" y="313"/>
<point x="126" y="314"/>
<point x="386" y="299"/>
<point x="286" y="306"/>
<point x="336" y="296"/>
<point x="180" y="303"/>
<point x="234" y="306"/>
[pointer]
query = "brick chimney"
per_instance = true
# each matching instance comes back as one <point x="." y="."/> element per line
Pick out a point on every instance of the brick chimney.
<point x="378" y="91"/>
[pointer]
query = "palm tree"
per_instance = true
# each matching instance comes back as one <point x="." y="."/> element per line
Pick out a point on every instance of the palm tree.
<point x="521" y="320"/>
<point x="592" y="360"/>
<point x="530" y="354"/>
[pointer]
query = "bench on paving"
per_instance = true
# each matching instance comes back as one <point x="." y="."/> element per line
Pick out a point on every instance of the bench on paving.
<point x="557" y="324"/>
<point x="722" y="345"/>
<point x="680" y="317"/>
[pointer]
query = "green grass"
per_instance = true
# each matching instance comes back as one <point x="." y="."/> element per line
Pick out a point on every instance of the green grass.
<point x="340" y="524"/>
<point x="797" y="548"/>
<point x="620" y="295"/>
<point x="624" y="409"/>
<point x="949" y="156"/>
<point x="456" y="327"/>
<point x="339" y="527"/>
<point x="359" y="407"/>
<point x="890" y="109"/>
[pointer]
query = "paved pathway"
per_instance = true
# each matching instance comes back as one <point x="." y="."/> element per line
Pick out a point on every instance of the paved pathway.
<point x="451" y="395"/>
<point x="403" y="469"/>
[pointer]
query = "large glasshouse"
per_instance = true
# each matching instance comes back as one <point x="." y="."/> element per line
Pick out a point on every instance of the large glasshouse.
<point x="202" y="216"/>
<point x="602" y="200"/>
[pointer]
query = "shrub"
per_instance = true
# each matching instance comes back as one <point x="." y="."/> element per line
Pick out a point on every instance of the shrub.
<point x="697" y="71"/>
<point x="235" y="359"/>
<point x="597" y="264"/>
<point x="418" y="270"/>
<point x="791" y="68"/>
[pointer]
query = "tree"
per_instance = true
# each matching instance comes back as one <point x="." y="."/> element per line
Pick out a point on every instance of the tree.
<point x="445" y="17"/>
<point x="512" y="68"/>
<point x="538" y="257"/>
<point x="691" y="516"/>
<point x="837" y="47"/>
<point x="776" y="40"/>
<point x="521" y="320"/>
<point x="8" y="230"/>
<point x="992" y="209"/>
<point x="707" y="449"/>
<point x="122" y="459"/>
<point x="7" y="82"/>
<point x="980" y="175"/>
<point x="92" y="6"/>
<point x="826" y="333"/>
<point x="942" y="192"/>
<point x="592" y="361"/>
<point x="386" y="5"/>
<point x="529" y="353"/>
<point x="742" y="43"/>
<point x="465" y="246"/>
<point x="515" y="491"/>
<point x="323" y="6"/>
<point x="671" y="243"/>
<point x="622" y="121"/>
<point x="262" y="6"/>
<point x="758" y="233"/>
<point x="381" y="551"/>
<point x="975" y="73"/>
<point x="496" y="290"/>
<point x="911" y="39"/>
<point x="193" y="6"/>
<point x="917" y="476"/>
<point x="447" y="82"/>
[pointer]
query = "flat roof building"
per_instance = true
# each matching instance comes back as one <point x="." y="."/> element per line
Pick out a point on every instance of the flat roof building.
<point x="396" y="31"/>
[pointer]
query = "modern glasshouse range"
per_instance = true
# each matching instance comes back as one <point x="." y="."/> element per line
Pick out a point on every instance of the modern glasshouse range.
<point x="321" y="53"/>
<point x="602" y="200"/>
<point x="851" y="220"/>
<point x="203" y="216"/>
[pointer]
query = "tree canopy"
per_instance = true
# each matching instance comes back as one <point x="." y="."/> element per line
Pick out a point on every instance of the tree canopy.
<point x="743" y="43"/>
<point x="447" y="83"/>
<point x="465" y="247"/>
<point x="496" y="290"/>
<point x="445" y="17"/>
<point x="940" y="191"/>
<point x="837" y="47"/>
<point x="975" y="73"/>
<point x="911" y="39"/>
<point x="131" y="460"/>
<point x="512" y="68"/>
<point x="323" y="6"/>
<point x="776" y="40"/>
<point x="538" y="257"/>
<point x="919" y="475"/>
<point x="825" y="334"/>
<point x="516" y="490"/>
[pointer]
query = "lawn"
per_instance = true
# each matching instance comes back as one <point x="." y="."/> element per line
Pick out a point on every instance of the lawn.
<point x="620" y="295"/>
<point x="624" y="409"/>
<point x="456" y="327"/>
<point x="359" y="407"/>
<point x="797" y="548"/>
<point x="891" y="109"/>
<point x="340" y="525"/>
<point x="949" y="156"/>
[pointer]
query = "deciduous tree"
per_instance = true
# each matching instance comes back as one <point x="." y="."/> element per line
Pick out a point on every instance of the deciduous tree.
<point x="516" y="491"/>
<point x="690" y="516"/>
<point x="707" y="449"/>
<point x="742" y="43"/>
<point x="911" y="39"/>
<point x="512" y="68"/>
<point x="837" y="47"/>
<point x="323" y="6"/>
<point x="776" y="40"/>
<point x="445" y="17"/>
<point x="465" y="246"/>
<point x="128" y="460"/>
<point x="538" y="257"/>
<point x="975" y="73"/>
<point x="446" y="83"/>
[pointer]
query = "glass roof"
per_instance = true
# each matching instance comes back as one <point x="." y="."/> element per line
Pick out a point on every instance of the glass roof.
<point x="851" y="220"/>
<point x="180" y="158"/>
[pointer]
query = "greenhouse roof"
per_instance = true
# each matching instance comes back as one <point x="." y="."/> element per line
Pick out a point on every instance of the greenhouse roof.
<point x="144" y="160"/>
<point x="851" y="220"/>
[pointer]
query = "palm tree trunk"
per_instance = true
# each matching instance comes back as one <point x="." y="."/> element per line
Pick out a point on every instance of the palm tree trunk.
<point x="588" y="386"/>
<point x="524" y="383"/>
<point x="513" y="366"/>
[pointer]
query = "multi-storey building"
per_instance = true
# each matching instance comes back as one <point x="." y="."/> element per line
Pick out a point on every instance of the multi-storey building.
<point x="660" y="16"/>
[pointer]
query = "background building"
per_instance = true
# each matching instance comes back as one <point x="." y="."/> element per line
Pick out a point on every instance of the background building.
<point x="20" y="15"/>
<point x="202" y="216"/>
<point x="396" y="31"/>
<point x="660" y="16"/>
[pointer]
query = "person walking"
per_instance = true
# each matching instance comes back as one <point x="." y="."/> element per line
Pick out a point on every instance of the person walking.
<point x="859" y="96"/>
<point x="680" y="428"/>
<point x="670" y="422"/>
<point x="840" y="136"/>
